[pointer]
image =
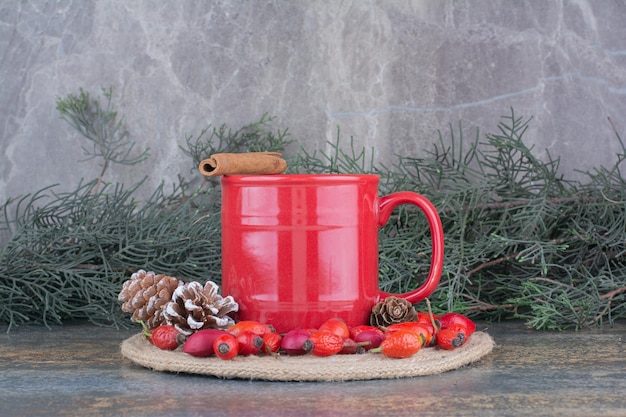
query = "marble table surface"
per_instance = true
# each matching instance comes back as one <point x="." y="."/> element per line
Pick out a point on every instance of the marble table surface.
<point x="77" y="370"/>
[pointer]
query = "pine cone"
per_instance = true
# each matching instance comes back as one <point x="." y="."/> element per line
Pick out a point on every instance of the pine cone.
<point x="194" y="307"/>
<point x="144" y="295"/>
<point x="392" y="310"/>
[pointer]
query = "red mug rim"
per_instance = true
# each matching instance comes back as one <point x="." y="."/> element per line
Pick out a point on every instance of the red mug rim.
<point x="297" y="178"/>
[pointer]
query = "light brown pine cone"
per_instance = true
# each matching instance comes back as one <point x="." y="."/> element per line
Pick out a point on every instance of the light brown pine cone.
<point x="145" y="294"/>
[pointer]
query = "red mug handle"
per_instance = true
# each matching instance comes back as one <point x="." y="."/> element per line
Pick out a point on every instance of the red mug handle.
<point x="385" y="207"/>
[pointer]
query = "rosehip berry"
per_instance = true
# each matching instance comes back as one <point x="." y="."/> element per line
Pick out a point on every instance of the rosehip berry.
<point x="337" y="326"/>
<point x="323" y="343"/>
<point x="252" y="326"/>
<point x="165" y="337"/>
<point x="369" y="339"/>
<point x="249" y="343"/>
<point x="448" y="319"/>
<point x="420" y="328"/>
<point x="293" y="341"/>
<point x="450" y="339"/>
<point x="226" y="346"/>
<point x="200" y="343"/>
<point x="271" y="343"/>
<point x="400" y="344"/>
<point x="354" y="331"/>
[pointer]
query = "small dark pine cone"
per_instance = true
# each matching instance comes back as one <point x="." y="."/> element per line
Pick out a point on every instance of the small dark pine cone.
<point x="392" y="310"/>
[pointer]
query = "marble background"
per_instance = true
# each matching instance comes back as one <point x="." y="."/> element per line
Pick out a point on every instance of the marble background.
<point x="390" y="73"/>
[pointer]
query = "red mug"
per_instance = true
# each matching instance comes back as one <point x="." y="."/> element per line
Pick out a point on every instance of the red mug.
<point x="298" y="249"/>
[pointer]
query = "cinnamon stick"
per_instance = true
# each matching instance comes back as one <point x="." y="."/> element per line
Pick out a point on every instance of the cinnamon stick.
<point x="243" y="163"/>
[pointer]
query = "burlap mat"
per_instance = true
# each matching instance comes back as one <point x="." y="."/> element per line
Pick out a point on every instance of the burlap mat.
<point x="428" y="361"/>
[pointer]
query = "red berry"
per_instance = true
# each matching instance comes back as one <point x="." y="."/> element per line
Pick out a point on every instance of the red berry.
<point x="448" y="319"/>
<point x="400" y="344"/>
<point x="249" y="343"/>
<point x="165" y="337"/>
<point x="425" y="317"/>
<point x="420" y="328"/>
<point x="461" y="331"/>
<point x="271" y="343"/>
<point x="292" y="342"/>
<point x="354" y="331"/>
<point x="200" y="343"/>
<point x="337" y="326"/>
<point x="372" y="337"/>
<point x="428" y="325"/>
<point x="226" y="346"/>
<point x="323" y="343"/>
<point x="450" y="338"/>
<point x="250" y="326"/>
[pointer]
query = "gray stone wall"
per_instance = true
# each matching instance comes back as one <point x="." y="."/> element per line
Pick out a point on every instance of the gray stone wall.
<point x="388" y="73"/>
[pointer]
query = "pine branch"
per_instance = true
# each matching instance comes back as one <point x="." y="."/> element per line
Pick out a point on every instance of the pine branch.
<point x="521" y="240"/>
<point x="102" y="128"/>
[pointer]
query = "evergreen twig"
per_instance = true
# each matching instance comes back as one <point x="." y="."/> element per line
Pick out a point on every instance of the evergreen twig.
<point x="102" y="128"/>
